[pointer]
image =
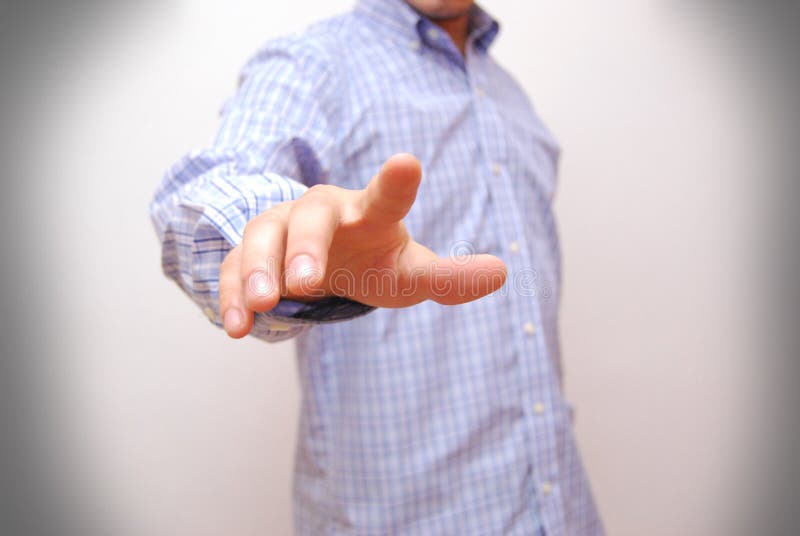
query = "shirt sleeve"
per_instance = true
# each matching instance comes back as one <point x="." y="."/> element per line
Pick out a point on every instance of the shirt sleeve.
<point x="275" y="140"/>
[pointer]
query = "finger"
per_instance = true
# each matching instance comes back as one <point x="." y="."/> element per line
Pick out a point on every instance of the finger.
<point x="446" y="280"/>
<point x="389" y="195"/>
<point x="455" y="280"/>
<point x="236" y="318"/>
<point x="263" y="248"/>
<point x="313" y="220"/>
<point x="450" y="280"/>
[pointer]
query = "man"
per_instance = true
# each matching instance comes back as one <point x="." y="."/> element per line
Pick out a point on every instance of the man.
<point x="431" y="419"/>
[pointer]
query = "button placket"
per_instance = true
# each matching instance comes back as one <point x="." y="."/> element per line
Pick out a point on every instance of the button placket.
<point x="535" y="374"/>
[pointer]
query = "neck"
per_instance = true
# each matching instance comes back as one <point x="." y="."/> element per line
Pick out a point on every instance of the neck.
<point x="456" y="28"/>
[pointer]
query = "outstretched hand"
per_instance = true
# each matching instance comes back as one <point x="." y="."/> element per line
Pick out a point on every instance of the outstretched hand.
<point x="349" y="243"/>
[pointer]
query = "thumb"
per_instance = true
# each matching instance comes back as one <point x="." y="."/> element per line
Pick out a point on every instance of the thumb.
<point x="389" y="195"/>
<point x="456" y="280"/>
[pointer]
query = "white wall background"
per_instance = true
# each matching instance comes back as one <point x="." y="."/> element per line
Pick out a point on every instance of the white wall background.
<point x="179" y="431"/>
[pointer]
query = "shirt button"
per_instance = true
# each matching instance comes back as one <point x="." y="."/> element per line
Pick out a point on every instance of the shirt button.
<point x="538" y="408"/>
<point x="497" y="168"/>
<point x="529" y="328"/>
<point x="513" y="247"/>
<point x="479" y="91"/>
<point x="547" y="488"/>
<point x="210" y="314"/>
<point x="433" y="34"/>
<point x="414" y="44"/>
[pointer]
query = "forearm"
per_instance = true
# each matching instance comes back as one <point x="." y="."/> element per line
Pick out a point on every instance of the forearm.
<point x="275" y="139"/>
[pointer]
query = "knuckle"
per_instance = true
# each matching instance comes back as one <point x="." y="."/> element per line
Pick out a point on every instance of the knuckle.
<point x="267" y="218"/>
<point x="324" y="194"/>
<point x="323" y="189"/>
<point x="260" y="224"/>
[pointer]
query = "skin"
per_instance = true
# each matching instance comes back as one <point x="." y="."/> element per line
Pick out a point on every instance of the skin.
<point x="451" y="15"/>
<point x="352" y="243"/>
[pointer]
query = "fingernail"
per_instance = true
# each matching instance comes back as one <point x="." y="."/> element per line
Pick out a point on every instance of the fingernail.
<point x="259" y="283"/>
<point x="232" y="319"/>
<point x="304" y="268"/>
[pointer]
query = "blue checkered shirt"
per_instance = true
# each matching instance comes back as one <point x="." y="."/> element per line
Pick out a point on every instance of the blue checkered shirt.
<point x="432" y="419"/>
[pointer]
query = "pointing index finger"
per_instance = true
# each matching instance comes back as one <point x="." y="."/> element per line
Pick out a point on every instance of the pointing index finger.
<point x="390" y="194"/>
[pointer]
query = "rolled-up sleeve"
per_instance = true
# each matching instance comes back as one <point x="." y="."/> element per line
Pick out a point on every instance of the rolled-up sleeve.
<point x="276" y="138"/>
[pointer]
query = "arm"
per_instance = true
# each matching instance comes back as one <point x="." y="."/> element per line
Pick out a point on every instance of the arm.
<point x="273" y="142"/>
<point x="264" y="254"/>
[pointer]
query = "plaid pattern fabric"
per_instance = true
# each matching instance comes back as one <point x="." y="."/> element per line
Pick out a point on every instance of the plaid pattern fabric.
<point x="431" y="419"/>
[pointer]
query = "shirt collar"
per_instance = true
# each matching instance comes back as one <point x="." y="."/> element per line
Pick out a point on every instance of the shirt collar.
<point x="483" y="28"/>
<point x="401" y="20"/>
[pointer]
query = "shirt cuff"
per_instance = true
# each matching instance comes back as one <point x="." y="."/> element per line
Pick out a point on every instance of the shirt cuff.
<point x="322" y="311"/>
